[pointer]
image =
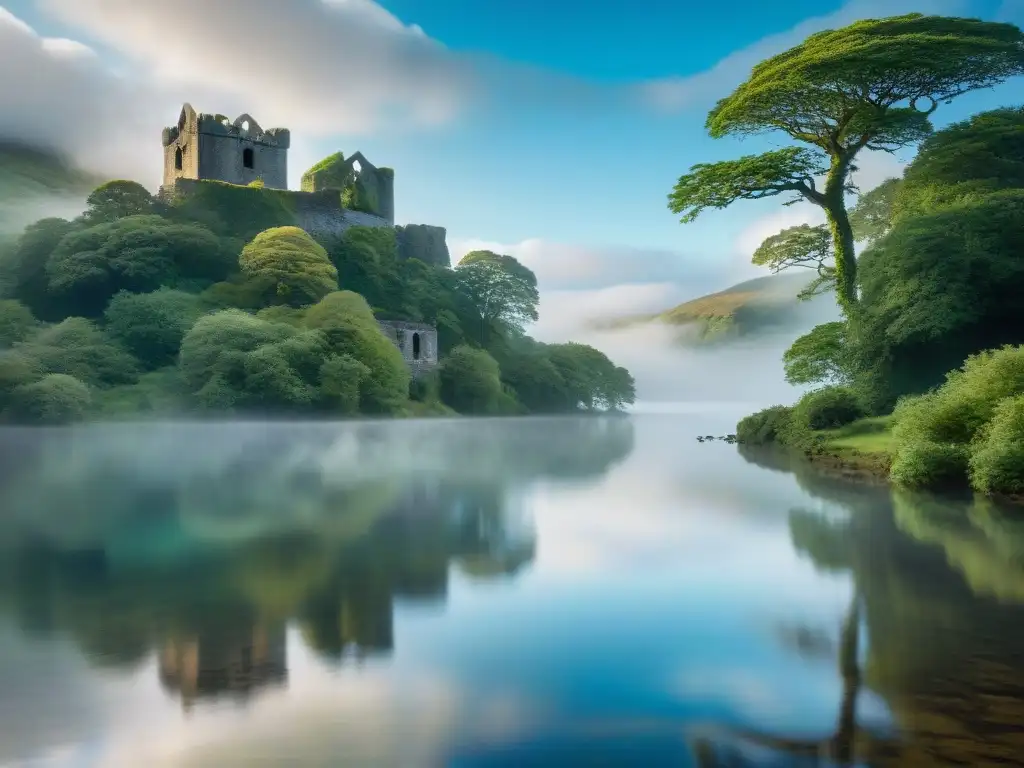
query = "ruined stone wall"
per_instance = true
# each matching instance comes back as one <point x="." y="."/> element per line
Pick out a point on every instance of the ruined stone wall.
<point x="221" y="159"/>
<point x="427" y="243"/>
<point x="416" y="341"/>
<point x="211" y="147"/>
<point x="321" y="214"/>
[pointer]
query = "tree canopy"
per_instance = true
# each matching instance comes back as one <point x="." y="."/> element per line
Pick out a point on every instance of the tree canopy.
<point x="293" y="265"/>
<point x="503" y="291"/>
<point x="871" y="85"/>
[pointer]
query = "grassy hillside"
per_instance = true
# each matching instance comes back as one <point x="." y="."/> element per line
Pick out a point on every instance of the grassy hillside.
<point x="740" y="310"/>
<point x="35" y="183"/>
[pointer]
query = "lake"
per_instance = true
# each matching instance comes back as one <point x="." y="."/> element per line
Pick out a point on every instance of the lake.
<point x="575" y="591"/>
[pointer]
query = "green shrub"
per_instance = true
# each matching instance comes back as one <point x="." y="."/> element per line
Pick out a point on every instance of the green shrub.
<point x="997" y="458"/>
<point x="152" y="325"/>
<point x="54" y="399"/>
<point x="292" y="264"/>
<point x="926" y="464"/>
<point x="828" y="408"/>
<point x="340" y="380"/>
<point x="345" y="319"/>
<point x="470" y="381"/>
<point x="77" y="347"/>
<point x="16" y="322"/>
<point x="765" y="426"/>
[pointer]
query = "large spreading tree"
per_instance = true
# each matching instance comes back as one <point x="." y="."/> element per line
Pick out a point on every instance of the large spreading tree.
<point x="872" y="85"/>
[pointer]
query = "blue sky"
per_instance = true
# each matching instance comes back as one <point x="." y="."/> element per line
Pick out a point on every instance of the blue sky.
<point x="552" y="130"/>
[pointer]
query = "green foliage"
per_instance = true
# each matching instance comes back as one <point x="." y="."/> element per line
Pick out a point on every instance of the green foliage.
<point x="157" y="393"/>
<point x="345" y="319"/>
<point x="116" y="200"/>
<point x="841" y="91"/>
<point x="24" y="268"/>
<point x="137" y="253"/>
<point x="820" y="357"/>
<point x="341" y="377"/>
<point x="503" y="291"/>
<point x="801" y="246"/>
<point x="872" y="217"/>
<point x="997" y="459"/>
<point x="592" y="381"/>
<point x="213" y="354"/>
<point x="330" y="173"/>
<point x="964" y="161"/>
<point x="16" y="369"/>
<point x="846" y="87"/>
<point x="292" y="264"/>
<point x="470" y="382"/>
<point x="930" y="465"/>
<point x="751" y="177"/>
<point x="827" y="408"/>
<point x="764" y="427"/>
<point x="285" y="375"/>
<point x="16" y="322"/>
<point x="77" y="347"/>
<point x="959" y="414"/>
<point x="54" y="399"/>
<point x="536" y="381"/>
<point x="152" y="325"/>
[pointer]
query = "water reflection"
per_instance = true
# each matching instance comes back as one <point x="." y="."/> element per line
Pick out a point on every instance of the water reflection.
<point x="940" y="582"/>
<point x="538" y="592"/>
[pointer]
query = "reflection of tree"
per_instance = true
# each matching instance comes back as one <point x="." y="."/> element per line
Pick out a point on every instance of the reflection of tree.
<point x="941" y="651"/>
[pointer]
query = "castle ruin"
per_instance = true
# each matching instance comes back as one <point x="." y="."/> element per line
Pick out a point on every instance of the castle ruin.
<point x="337" y="193"/>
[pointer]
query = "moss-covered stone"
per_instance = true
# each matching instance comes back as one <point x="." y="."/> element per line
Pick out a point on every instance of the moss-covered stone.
<point x="333" y="172"/>
<point x="241" y="211"/>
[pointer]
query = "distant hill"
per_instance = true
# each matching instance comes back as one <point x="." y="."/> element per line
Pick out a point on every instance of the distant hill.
<point x="742" y="310"/>
<point x="35" y="183"/>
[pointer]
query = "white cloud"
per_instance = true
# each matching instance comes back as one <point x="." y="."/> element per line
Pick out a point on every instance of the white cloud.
<point x="676" y="93"/>
<point x="63" y="99"/>
<point x="343" y="66"/>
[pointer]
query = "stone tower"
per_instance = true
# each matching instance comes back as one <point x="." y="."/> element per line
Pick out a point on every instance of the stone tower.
<point x="203" y="146"/>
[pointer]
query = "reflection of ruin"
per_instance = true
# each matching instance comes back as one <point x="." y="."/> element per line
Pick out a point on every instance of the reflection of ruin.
<point x="236" y="662"/>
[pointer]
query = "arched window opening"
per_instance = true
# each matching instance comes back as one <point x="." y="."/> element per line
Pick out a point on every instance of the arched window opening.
<point x="415" y="346"/>
<point x="247" y="157"/>
<point x="177" y="159"/>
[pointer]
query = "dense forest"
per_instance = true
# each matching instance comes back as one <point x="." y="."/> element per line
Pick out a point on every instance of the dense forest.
<point x="216" y="305"/>
<point x="932" y="322"/>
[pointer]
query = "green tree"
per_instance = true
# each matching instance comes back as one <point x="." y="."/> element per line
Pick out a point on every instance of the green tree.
<point x="213" y="354"/>
<point x="16" y="322"/>
<point x="285" y="375"/>
<point x="502" y="290"/>
<point x="79" y="348"/>
<point x="25" y="266"/>
<point x="938" y="288"/>
<point x="136" y="253"/>
<point x="593" y="382"/>
<point x="294" y="266"/>
<point x="872" y="217"/>
<point x="801" y="246"/>
<point x="116" y="200"/>
<point x="821" y="356"/>
<point x="470" y="381"/>
<point x="842" y="91"/>
<point x="345" y="319"/>
<point x="54" y="399"/>
<point x="152" y="325"/>
<point x="340" y="379"/>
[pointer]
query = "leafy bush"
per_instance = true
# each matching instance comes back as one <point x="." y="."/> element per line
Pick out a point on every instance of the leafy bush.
<point x="340" y="380"/>
<point x="927" y="464"/>
<point x="349" y="325"/>
<point x="294" y="267"/>
<point x="77" y="347"/>
<point x="54" y="399"/>
<point x="470" y="381"/>
<point x="827" y="408"/>
<point x="213" y="352"/>
<point x="766" y="426"/>
<point x="997" y="459"/>
<point x="152" y="325"/>
<point x="16" y="322"/>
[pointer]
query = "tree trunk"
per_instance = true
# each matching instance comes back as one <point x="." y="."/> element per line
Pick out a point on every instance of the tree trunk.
<point x="849" y="669"/>
<point x="842" y="235"/>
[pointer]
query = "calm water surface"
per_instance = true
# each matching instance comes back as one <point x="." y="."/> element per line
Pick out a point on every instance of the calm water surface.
<point x="477" y="593"/>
